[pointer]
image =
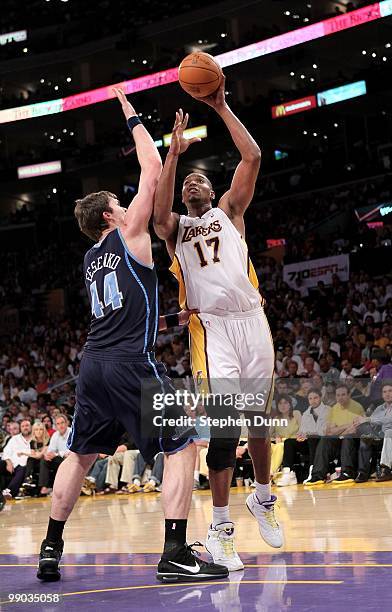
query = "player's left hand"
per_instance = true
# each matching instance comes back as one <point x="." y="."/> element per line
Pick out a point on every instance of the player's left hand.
<point x="217" y="100"/>
<point x="127" y="107"/>
<point x="185" y="315"/>
<point x="179" y="144"/>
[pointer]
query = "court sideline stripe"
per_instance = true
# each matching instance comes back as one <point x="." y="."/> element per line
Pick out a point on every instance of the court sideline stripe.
<point x="313" y="565"/>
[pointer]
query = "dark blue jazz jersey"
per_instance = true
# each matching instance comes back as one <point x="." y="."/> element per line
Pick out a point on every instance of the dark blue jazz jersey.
<point x="123" y="296"/>
<point x="119" y="375"/>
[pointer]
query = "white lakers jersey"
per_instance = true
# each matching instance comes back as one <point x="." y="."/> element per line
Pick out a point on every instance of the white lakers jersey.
<point x="212" y="266"/>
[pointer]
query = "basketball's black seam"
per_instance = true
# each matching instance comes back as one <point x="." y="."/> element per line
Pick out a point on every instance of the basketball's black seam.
<point x="198" y="84"/>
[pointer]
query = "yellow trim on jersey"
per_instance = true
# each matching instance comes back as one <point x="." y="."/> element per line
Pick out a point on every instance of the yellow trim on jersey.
<point x="254" y="280"/>
<point x="252" y="274"/>
<point x="199" y="357"/>
<point x="176" y="270"/>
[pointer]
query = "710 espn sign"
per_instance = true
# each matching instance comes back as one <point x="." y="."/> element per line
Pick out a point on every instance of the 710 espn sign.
<point x="294" y="106"/>
<point x="309" y="273"/>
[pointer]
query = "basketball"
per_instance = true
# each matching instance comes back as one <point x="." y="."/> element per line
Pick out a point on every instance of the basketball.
<point x="199" y="74"/>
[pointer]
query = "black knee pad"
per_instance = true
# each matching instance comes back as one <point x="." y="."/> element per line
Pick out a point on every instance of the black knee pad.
<point x="221" y="453"/>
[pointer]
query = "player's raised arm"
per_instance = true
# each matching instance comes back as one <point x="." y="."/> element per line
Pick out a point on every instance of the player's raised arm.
<point x="237" y="199"/>
<point x="140" y="210"/>
<point x="165" y="221"/>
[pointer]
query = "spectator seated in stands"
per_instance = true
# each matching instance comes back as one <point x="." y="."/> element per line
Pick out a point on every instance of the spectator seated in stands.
<point x="47" y="421"/>
<point x="154" y="479"/>
<point x="339" y="443"/>
<point x="14" y="459"/>
<point x="288" y="432"/>
<point x="9" y="429"/>
<point x="38" y="447"/>
<point x="55" y="454"/>
<point x="108" y="471"/>
<point x="243" y="470"/>
<point x="96" y="480"/>
<point x="313" y="427"/>
<point x="380" y="430"/>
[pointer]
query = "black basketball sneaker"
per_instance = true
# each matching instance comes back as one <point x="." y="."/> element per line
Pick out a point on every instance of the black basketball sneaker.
<point x="49" y="559"/>
<point x="2" y="500"/>
<point x="184" y="565"/>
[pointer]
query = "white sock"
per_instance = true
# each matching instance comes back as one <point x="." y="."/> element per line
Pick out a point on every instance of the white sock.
<point x="263" y="492"/>
<point x="136" y="481"/>
<point x="152" y="482"/>
<point x="220" y="515"/>
<point x="196" y="475"/>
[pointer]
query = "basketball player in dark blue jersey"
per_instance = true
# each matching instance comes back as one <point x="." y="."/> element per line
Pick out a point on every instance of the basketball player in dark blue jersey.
<point x="118" y="356"/>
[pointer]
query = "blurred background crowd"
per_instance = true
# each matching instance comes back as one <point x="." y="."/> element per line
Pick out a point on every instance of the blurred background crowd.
<point x="324" y="191"/>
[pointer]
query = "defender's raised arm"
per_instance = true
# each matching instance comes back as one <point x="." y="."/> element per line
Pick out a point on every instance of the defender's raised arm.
<point x="140" y="210"/>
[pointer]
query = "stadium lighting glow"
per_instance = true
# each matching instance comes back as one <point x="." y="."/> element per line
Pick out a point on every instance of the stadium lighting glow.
<point x="333" y="25"/>
<point x="9" y="37"/>
<point x="385" y="210"/>
<point x="196" y="132"/>
<point x="52" y="167"/>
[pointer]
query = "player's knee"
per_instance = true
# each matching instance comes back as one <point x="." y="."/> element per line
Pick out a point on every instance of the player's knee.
<point x="221" y="453"/>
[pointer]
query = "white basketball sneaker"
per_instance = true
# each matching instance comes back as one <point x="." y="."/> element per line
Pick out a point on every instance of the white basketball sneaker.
<point x="269" y="527"/>
<point x="220" y="545"/>
<point x="288" y="478"/>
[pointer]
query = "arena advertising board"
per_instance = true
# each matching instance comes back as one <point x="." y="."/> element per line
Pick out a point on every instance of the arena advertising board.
<point x="52" y="167"/>
<point x="293" y="107"/>
<point x="339" y="94"/>
<point x="374" y="212"/>
<point x="315" y="270"/>
<point x="324" y="98"/>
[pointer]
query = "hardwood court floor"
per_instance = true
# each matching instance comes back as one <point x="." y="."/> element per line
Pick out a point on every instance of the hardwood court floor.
<point x="337" y="554"/>
<point x="324" y="518"/>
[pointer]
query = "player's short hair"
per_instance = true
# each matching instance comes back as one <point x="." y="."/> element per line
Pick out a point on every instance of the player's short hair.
<point x="199" y="174"/>
<point x="89" y="213"/>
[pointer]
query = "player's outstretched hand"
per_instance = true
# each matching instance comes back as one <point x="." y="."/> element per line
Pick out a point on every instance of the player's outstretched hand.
<point x="217" y="100"/>
<point x="185" y="315"/>
<point x="179" y="144"/>
<point x="127" y="107"/>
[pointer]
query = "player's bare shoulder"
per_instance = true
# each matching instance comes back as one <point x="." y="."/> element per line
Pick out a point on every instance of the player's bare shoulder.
<point x="236" y="218"/>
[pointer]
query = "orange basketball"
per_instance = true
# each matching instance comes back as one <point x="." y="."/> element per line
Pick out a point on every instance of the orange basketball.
<point x="199" y="74"/>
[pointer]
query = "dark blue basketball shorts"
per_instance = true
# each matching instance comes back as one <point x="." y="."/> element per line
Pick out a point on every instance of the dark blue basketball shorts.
<point x="113" y="397"/>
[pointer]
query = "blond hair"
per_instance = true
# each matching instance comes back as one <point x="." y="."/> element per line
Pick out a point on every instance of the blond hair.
<point x="45" y="437"/>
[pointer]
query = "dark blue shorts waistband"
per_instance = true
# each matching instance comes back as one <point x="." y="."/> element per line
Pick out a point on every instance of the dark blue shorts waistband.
<point x="118" y="355"/>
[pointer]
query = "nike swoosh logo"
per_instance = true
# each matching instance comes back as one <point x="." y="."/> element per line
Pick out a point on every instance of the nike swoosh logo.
<point x="190" y="568"/>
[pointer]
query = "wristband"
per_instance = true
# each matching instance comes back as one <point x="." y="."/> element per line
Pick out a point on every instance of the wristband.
<point x="132" y="122"/>
<point x="172" y="320"/>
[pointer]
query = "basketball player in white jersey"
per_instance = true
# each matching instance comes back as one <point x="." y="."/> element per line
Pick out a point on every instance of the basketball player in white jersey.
<point x="230" y="337"/>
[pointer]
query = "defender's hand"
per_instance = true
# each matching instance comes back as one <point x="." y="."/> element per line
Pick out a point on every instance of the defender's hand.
<point x="185" y="315"/>
<point x="127" y="107"/>
<point x="179" y="144"/>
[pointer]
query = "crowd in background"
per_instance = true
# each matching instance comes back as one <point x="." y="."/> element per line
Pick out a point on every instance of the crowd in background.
<point x="61" y="25"/>
<point x="323" y="336"/>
